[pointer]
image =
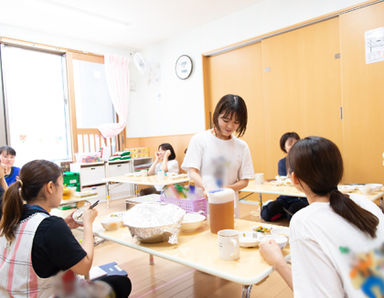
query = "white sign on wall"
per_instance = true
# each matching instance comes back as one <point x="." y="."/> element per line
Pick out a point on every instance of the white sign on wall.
<point x="374" y="45"/>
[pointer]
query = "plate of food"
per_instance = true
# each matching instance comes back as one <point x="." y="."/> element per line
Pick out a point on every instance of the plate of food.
<point x="249" y="239"/>
<point x="262" y="228"/>
<point x="267" y="229"/>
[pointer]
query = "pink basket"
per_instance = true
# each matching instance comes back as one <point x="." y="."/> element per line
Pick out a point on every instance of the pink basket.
<point x="186" y="204"/>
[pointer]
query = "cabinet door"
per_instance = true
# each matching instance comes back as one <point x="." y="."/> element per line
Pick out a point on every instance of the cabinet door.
<point x="301" y="86"/>
<point x="92" y="175"/>
<point x="120" y="169"/>
<point x="363" y="96"/>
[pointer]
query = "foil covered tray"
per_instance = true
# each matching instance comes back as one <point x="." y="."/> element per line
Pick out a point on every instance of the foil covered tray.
<point x="151" y="223"/>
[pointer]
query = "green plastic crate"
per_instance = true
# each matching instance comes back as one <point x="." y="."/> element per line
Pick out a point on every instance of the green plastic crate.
<point x="72" y="179"/>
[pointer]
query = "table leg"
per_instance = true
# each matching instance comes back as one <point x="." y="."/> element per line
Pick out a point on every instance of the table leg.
<point x="260" y="202"/>
<point x="246" y="293"/>
<point x="108" y="194"/>
<point x="151" y="261"/>
<point x="381" y="204"/>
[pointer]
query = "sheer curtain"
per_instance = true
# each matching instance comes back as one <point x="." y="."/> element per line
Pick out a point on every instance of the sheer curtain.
<point x="117" y="75"/>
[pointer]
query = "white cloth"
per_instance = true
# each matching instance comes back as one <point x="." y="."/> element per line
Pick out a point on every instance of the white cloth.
<point x="173" y="167"/>
<point x="117" y="75"/>
<point x="18" y="278"/>
<point x="206" y="153"/>
<point x="324" y="249"/>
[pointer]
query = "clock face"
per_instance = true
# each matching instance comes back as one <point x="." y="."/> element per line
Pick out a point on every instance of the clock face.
<point x="184" y="67"/>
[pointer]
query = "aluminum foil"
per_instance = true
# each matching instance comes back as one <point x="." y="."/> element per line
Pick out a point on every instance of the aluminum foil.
<point x="154" y="222"/>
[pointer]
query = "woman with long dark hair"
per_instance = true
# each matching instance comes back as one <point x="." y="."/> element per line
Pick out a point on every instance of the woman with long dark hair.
<point x="337" y="242"/>
<point x="37" y="249"/>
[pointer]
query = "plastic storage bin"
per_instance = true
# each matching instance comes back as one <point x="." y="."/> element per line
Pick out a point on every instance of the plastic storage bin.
<point x="187" y="204"/>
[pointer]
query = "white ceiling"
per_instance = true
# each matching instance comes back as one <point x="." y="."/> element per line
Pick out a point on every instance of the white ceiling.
<point x="122" y="24"/>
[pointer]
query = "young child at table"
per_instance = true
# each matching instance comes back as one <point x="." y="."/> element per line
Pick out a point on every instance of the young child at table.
<point x="165" y="162"/>
<point x="337" y="242"/>
<point x="284" y="206"/>
<point x="7" y="159"/>
<point x="37" y="248"/>
<point x="216" y="154"/>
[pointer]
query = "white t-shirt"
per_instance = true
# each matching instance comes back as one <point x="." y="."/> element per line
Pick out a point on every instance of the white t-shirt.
<point x="173" y="167"/>
<point x="207" y="152"/>
<point x="325" y="248"/>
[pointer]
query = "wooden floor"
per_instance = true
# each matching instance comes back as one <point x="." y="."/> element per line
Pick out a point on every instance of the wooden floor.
<point x="168" y="279"/>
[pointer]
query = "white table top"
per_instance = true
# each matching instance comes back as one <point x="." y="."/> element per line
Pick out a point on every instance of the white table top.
<point x="200" y="250"/>
<point x="149" y="180"/>
<point x="289" y="190"/>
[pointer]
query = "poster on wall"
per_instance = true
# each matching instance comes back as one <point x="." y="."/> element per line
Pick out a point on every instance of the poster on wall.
<point x="374" y="45"/>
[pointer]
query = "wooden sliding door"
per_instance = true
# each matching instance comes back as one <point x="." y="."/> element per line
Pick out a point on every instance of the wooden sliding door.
<point x="239" y="72"/>
<point x="363" y="95"/>
<point x="301" y="86"/>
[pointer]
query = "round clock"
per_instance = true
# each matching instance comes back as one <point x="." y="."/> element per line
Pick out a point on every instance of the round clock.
<point x="183" y="67"/>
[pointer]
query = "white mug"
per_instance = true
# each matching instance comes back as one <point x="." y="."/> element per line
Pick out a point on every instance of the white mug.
<point x="229" y="247"/>
<point x="259" y="178"/>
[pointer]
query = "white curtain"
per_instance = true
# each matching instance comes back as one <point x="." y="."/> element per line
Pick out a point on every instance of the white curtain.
<point x="117" y="74"/>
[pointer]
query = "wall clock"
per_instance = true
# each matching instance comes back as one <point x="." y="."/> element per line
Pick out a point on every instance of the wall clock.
<point x="183" y="67"/>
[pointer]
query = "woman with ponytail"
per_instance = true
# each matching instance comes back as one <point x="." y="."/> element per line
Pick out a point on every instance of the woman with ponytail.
<point x="37" y="248"/>
<point x="337" y="242"/>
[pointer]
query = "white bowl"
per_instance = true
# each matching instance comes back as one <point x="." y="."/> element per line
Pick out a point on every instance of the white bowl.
<point x="370" y="188"/>
<point x="249" y="239"/>
<point x="346" y="188"/>
<point x="192" y="221"/>
<point x="78" y="214"/>
<point x="113" y="221"/>
<point x="280" y="240"/>
<point x="375" y="186"/>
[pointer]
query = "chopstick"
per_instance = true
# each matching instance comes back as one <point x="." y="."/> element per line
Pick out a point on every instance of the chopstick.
<point x="90" y="207"/>
<point x="94" y="204"/>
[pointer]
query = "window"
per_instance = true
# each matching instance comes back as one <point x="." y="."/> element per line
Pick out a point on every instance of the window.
<point x="93" y="103"/>
<point x="36" y="104"/>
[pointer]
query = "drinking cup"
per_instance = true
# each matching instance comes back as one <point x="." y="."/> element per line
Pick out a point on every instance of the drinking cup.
<point x="229" y="247"/>
<point x="259" y="178"/>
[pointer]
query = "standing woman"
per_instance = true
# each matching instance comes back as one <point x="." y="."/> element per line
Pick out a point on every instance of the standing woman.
<point x="37" y="248"/>
<point x="217" y="154"/>
<point x="337" y="242"/>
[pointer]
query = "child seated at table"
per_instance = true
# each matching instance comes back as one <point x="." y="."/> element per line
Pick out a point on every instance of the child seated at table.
<point x="165" y="162"/>
<point x="284" y="206"/>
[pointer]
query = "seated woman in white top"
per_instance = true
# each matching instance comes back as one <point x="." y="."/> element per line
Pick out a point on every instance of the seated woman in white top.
<point x="337" y="242"/>
<point x="165" y="162"/>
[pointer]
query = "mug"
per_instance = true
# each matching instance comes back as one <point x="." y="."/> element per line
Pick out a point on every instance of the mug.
<point x="259" y="178"/>
<point x="229" y="247"/>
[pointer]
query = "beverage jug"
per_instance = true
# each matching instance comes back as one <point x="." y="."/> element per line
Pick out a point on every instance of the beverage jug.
<point x="221" y="209"/>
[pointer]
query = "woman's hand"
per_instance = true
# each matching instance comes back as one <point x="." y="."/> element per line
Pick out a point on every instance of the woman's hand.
<point x="271" y="252"/>
<point x="3" y="171"/>
<point x="71" y="222"/>
<point x="157" y="156"/>
<point x="89" y="216"/>
<point x="167" y="154"/>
